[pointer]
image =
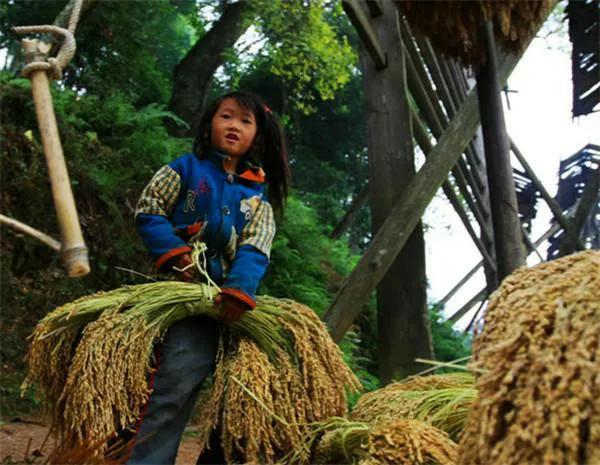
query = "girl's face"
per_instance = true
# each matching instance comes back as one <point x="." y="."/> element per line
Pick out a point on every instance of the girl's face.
<point x="233" y="128"/>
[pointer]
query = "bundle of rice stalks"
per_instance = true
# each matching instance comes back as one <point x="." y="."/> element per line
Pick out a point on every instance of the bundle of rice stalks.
<point x="389" y="442"/>
<point x="455" y="28"/>
<point x="539" y="400"/>
<point x="443" y="401"/>
<point x="263" y="410"/>
<point x="409" y="442"/>
<point x="92" y="357"/>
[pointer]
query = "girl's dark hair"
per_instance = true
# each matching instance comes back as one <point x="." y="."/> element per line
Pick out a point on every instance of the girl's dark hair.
<point x="269" y="149"/>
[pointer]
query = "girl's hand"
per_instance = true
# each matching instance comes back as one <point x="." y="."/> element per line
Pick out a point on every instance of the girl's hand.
<point x="231" y="308"/>
<point x="183" y="262"/>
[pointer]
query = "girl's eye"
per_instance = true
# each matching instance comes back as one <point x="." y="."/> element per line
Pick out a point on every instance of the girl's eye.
<point x="225" y="116"/>
<point x="248" y="121"/>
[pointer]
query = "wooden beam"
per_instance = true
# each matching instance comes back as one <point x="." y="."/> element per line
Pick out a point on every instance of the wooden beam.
<point x="508" y="240"/>
<point x="406" y="213"/>
<point x="531" y="247"/>
<point x="474" y="319"/>
<point x="427" y="100"/>
<point x="461" y="283"/>
<point x="589" y="198"/>
<point x="375" y="8"/>
<point x="552" y="204"/>
<point x="450" y="102"/>
<point x="422" y="138"/>
<point x="367" y="35"/>
<point x="462" y="311"/>
<point x="349" y="217"/>
<point x="550" y="232"/>
<point x="403" y="332"/>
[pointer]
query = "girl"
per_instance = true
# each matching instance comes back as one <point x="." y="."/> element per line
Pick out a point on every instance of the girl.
<point x="215" y="195"/>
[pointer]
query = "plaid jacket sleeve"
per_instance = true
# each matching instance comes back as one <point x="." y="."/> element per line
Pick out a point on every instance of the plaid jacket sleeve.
<point x="152" y="216"/>
<point x="252" y="256"/>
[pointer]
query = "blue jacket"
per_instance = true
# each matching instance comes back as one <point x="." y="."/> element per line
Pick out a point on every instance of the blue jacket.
<point x="193" y="199"/>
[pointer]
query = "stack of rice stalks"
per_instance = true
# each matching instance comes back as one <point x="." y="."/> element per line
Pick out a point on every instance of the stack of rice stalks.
<point x="539" y="396"/>
<point x="455" y="28"/>
<point x="409" y="422"/>
<point x="278" y="369"/>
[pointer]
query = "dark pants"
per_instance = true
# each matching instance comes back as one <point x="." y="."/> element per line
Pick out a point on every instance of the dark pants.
<point x="185" y="357"/>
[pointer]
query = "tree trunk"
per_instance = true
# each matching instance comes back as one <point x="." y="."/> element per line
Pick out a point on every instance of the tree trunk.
<point x="401" y="295"/>
<point x="193" y="75"/>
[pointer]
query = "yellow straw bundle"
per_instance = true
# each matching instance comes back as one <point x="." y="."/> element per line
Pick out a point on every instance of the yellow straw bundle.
<point x="91" y="359"/>
<point x="539" y="398"/>
<point x="264" y="410"/>
<point x="443" y="401"/>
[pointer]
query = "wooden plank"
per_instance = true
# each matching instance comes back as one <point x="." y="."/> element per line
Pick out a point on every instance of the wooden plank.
<point x="589" y="198"/>
<point x="349" y="217"/>
<point x="462" y="311"/>
<point x="426" y="146"/>
<point x="552" y="204"/>
<point x="367" y="35"/>
<point x="427" y="101"/>
<point x="550" y="232"/>
<point x="375" y="8"/>
<point x="406" y="214"/>
<point x="508" y="240"/>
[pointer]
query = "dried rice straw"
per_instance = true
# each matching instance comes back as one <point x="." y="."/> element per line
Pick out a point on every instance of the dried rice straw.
<point x="443" y="401"/>
<point x="455" y="28"/>
<point x="539" y="402"/>
<point x="95" y="380"/>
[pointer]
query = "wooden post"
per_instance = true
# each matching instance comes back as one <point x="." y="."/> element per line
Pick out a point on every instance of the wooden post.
<point x="73" y="251"/>
<point x="406" y="214"/>
<point x="503" y="199"/>
<point x="403" y="329"/>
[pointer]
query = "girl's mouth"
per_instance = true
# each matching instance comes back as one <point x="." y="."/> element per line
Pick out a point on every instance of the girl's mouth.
<point x="231" y="137"/>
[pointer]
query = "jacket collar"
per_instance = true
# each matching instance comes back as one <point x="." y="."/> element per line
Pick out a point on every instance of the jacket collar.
<point x="246" y="170"/>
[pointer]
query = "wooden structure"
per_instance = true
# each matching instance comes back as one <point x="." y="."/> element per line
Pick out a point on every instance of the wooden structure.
<point x="443" y="119"/>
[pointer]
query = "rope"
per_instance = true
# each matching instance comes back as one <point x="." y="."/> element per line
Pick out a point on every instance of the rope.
<point x="54" y="66"/>
<point x="75" y="13"/>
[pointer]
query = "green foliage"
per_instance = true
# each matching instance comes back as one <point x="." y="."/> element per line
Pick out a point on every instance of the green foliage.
<point x="304" y="49"/>
<point x="130" y="48"/>
<point x="448" y="343"/>
<point x="306" y="265"/>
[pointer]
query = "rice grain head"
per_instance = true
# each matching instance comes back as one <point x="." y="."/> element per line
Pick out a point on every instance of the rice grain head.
<point x="409" y="442"/>
<point x="443" y="401"/>
<point x="92" y="358"/>
<point x="539" y="400"/>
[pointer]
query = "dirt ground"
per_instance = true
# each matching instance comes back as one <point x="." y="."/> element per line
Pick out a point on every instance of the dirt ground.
<point x="21" y="443"/>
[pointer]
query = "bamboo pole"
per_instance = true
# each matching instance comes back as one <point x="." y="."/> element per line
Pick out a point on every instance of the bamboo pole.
<point x="73" y="251"/>
<point x="23" y="228"/>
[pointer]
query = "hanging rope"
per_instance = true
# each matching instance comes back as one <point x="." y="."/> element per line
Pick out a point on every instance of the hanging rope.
<point x="54" y="66"/>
